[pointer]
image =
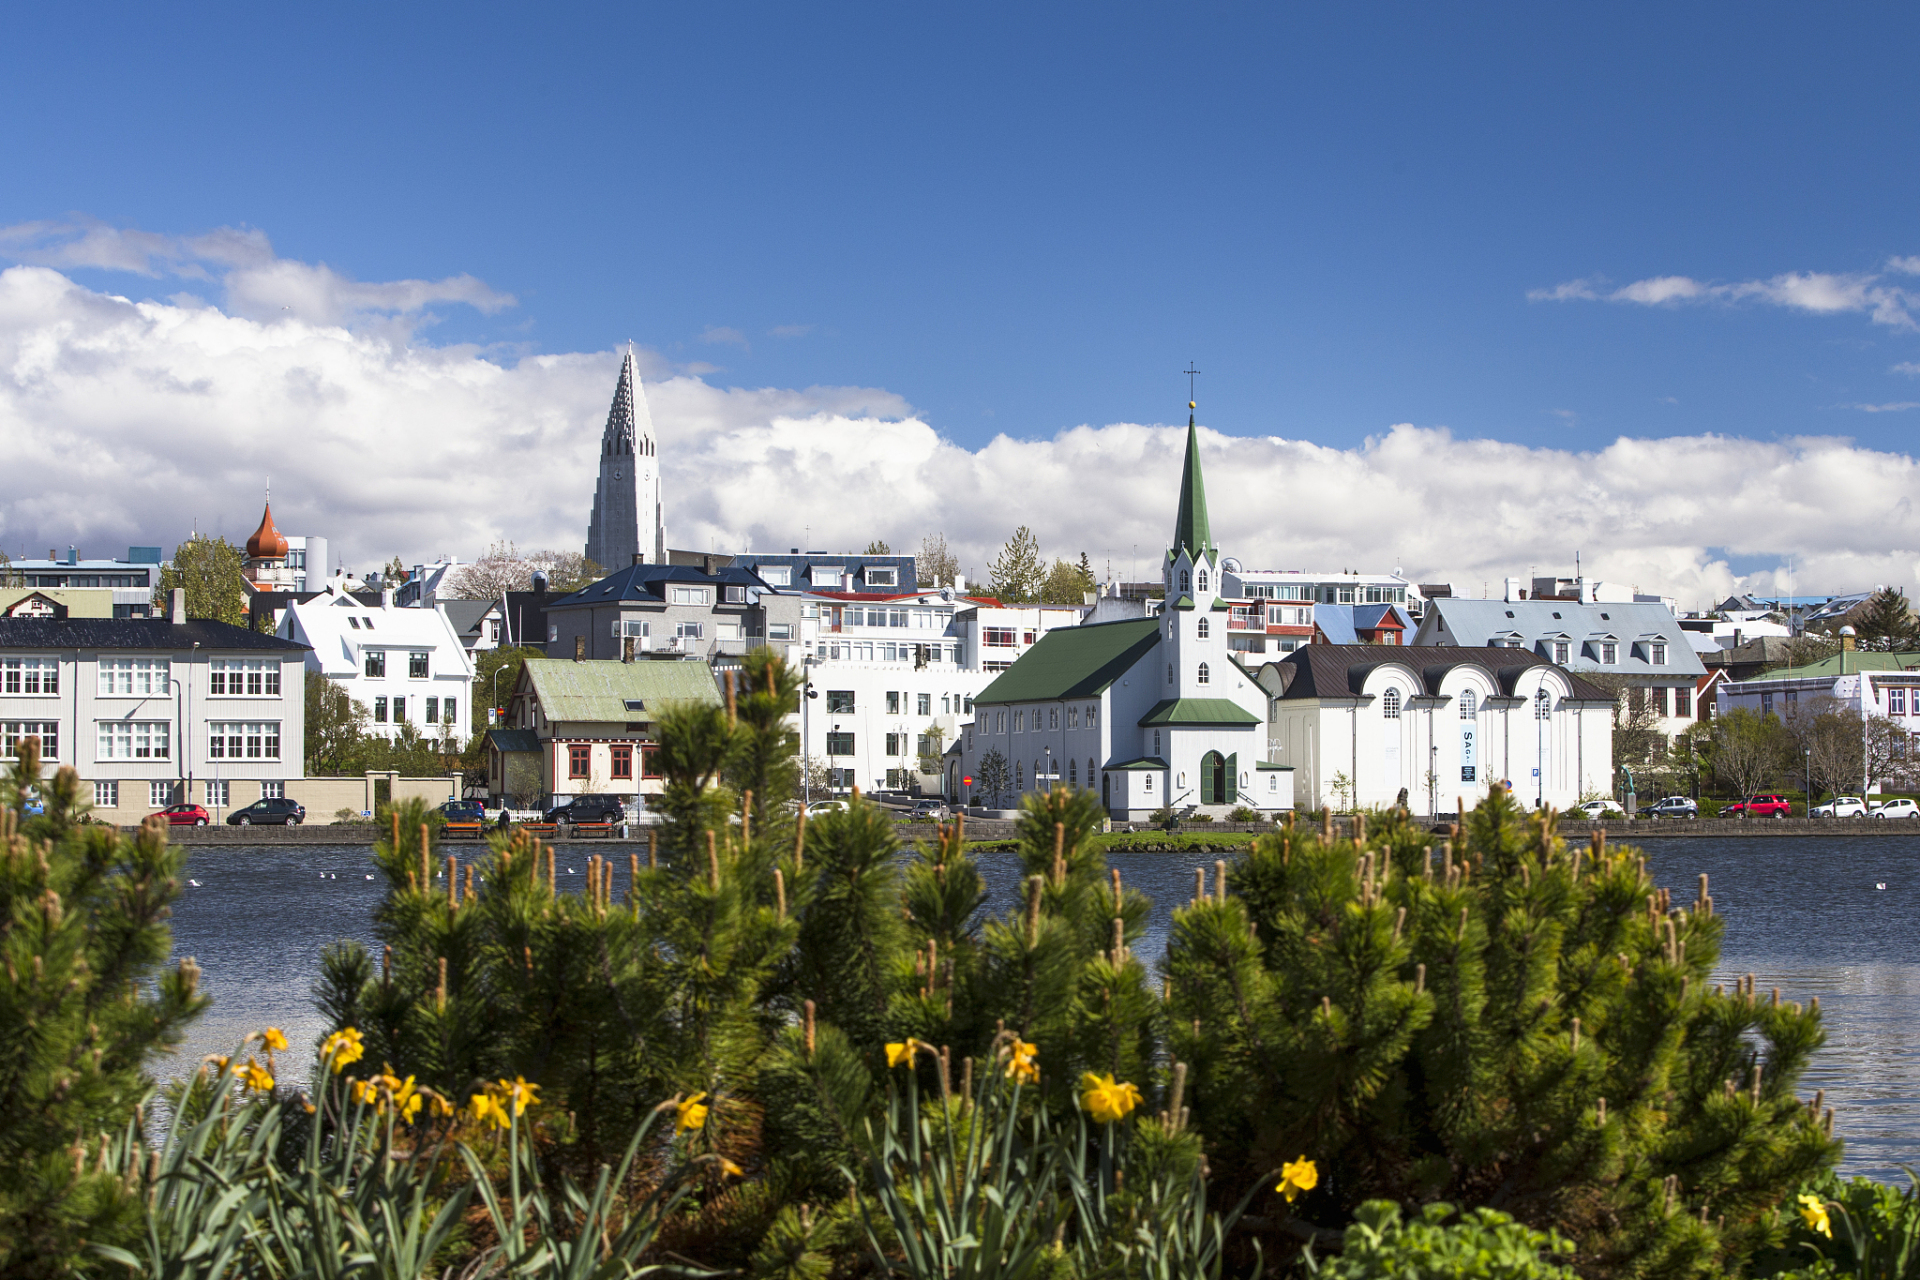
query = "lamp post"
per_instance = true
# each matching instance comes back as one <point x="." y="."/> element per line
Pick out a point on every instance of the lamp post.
<point x="1049" y="751"/>
<point x="1809" y="782"/>
<point x="1540" y="749"/>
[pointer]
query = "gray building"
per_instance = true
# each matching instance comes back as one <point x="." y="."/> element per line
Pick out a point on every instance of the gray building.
<point x="650" y="610"/>
<point x="887" y="575"/>
<point x="132" y="580"/>
<point x="628" y="522"/>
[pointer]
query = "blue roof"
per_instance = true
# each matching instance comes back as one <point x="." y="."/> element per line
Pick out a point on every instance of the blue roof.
<point x="649" y="582"/>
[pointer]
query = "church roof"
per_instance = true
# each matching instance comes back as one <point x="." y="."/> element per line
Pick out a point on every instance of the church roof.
<point x="1198" y="711"/>
<point x="1191" y="530"/>
<point x="1074" y="662"/>
<point x="624" y="418"/>
<point x="266" y="542"/>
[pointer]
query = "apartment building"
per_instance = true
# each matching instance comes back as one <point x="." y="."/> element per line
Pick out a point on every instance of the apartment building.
<point x="405" y="666"/>
<point x="133" y="580"/>
<point x="155" y="711"/>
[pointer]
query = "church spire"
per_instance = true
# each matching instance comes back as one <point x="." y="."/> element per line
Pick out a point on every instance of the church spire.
<point x="619" y="435"/>
<point x="1191" y="531"/>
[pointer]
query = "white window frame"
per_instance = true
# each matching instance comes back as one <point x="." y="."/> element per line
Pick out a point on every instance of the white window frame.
<point x="878" y="577"/>
<point x="133" y="677"/>
<point x="256" y="678"/>
<point x="243" y="740"/>
<point x="159" y="795"/>
<point x="106" y="795"/>
<point x="133" y="740"/>
<point x="31" y="677"/>
<point x="776" y="575"/>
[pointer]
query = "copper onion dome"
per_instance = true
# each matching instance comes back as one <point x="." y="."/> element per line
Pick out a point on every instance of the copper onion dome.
<point x="266" y="542"/>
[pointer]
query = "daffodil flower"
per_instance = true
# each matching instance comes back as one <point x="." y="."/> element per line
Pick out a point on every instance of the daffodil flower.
<point x="1021" y="1066"/>
<point x="1297" y="1176"/>
<point x="275" y="1039"/>
<point x="902" y="1052"/>
<point x="521" y="1094"/>
<point x="1105" y="1100"/>
<point x="1813" y="1210"/>
<point x="690" y="1113"/>
<point x="486" y="1107"/>
<point x="729" y="1167"/>
<point x="256" y="1077"/>
<point x="342" y="1048"/>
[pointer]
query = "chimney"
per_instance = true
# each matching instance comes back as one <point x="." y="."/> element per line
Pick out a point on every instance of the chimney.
<point x="386" y="597"/>
<point x="639" y="557"/>
<point x="959" y="583"/>
<point x="579" y="648"/>
<point x="1513" y="591"/>
<point x="626" y="651"/>
<point x="73" y="555"/>
<point x="1847" y="638"/>
<point x="177" y="606"/>
<point x="846" y="582"/>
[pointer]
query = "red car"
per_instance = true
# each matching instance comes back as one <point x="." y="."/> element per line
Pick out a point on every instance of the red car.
<point x="1759" y="807"/>
<point x="183" y="815"/>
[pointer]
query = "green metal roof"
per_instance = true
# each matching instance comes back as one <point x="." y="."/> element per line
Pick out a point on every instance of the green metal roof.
<point x="1281" y="768"/>
<point x="1856" y="662"/>
<point x="514" y="739"/>
<point x="1198" y="711"/>
<point x="1191" y="530"/>
<point x="1140" y="763"/>
<point x="1184" y="602"/>
<point x="1073" y="662"/>
<point x="601" y="691"/>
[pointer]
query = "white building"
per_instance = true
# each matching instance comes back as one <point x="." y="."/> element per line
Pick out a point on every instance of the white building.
<point x="1154" y="711"/>
<point x="404" y="665"/>
<point x="1360" y="722"/>
<point x="155" y="711"/>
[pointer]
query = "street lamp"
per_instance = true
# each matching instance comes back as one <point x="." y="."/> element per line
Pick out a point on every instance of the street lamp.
<point x="1809" y="782"/>
<point x="1049" y="751"/>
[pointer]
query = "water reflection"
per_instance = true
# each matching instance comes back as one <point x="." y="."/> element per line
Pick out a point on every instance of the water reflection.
<point x="1803" y="915"/>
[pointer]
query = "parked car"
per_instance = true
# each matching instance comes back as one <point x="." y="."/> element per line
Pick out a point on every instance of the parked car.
<point x="184" y="815"/>
<point x="463" y="811"/>
<point x="1898" y="808"/>
<point x="819" y="807"/>
<point x="1672" y="807"/>
<point x="269" y="812"/>
<point x="1841" y="807"/>
<point x="931" y="809"/>
<point x="1767" y="806"/>
<point x="1601" y="809"/>
<point x="590" y="808"/>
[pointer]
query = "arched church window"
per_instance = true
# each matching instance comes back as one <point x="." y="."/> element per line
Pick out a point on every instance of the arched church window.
<point x="1203" y="673"/>
<point x="1390" y="704"/>
<point x="1090" y="770"/>
<point x="1203" y="580"/>
<point x="1542" y="705"/>
<point x="1073" y="772"/>
<point x="1469" y="705"/>
<point x="1201" y="629"/>
<point x="1185" y="581"/>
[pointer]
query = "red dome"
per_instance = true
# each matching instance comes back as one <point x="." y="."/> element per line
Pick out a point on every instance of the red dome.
<point x="266" y="542"/>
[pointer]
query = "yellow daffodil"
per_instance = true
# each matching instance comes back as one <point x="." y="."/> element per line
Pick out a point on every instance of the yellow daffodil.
<point x="256" y="1077"/>
<point x="903" y="1052"/>
<point x="486" y="1107"/>
<point x="1021" y="1066"/>
<point x="521" y="1094"/>
<point x="275" y="1040"/>
<point x="218" y="1061"/>
<point x="437" y="1105"/>
<point x="342" y="1049"/>
<point x="1813" y="1210"/>
<point x="1105" y="1100"/>
<point x="690" y="1113"/>
<point x="1297" y="1176"/>
<point x="729" y="1167"/>
<point x="406" y="1099"/>
<point x="365" y="1091"/>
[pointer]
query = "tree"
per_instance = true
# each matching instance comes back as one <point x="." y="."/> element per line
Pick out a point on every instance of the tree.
<point x="336" y="729"/>
<point x="210" y="569"/>
<point x="1750" y="751"/>
<point x="1017" y="571"/>
<point x="506" y="568"/>
<point x="1637" y="738"/>
<point x="930" y="757"/>
<point x="1885" y="621"/>
<point x="496" y="672"/>
<point x="84" y="1001"/>
<point x="995" y="776"/>
<point x="1828" y="737"/>
<point x="9" y="576"/>
<point x="1066" y="583"/>
<point x="1888" y="750"/>
<point x="935" y="565"/>
<point x="877" y="548"/>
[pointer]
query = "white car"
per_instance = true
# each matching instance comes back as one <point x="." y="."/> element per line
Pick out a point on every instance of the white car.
<point x="1900" y="808"/>
<point x="819" y="807"/>
<point x="1841" y="807"/>
<point x="1602" y="809"/>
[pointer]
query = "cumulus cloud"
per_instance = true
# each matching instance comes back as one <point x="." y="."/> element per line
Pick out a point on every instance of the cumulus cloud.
<point x="255" y="281"/>
<point x="1816" y="292"/>
<point x="724" y="334"/>
<point x="127" y="422"/>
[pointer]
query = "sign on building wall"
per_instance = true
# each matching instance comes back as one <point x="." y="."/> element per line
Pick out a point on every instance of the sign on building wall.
<point x="1469" y="760"/>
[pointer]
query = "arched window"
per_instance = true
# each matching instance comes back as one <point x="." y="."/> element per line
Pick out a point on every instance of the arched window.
<point x="1169" y="673"/>
<point x="1156" y="742"/>
<point x="1542" y="705"/>
<point x="1202" y="628"/>
<point x="1203" y="673"/>
<point x="1186" y="582"/>
<point x="1469" y="704"/>
<point x="1203" y="580"/>
<point x="1390" y="704"/>
<point x="1073" y="773"/>
<point x="1019" y="776"/>
<point x="1090" y="770"/>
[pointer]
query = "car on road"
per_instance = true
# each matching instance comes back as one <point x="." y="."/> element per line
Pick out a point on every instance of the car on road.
<point x="1841" y="807"/>
<point x="931" y="809"/>
<point x="269" y="811"/>
<point x="463" y="811"/>
<point x="589" y="808"/>
<point x="1672" y="807"/>
<point x="1765" y="806"/>
<point x="1602" y="809"/>
<point x="1897" y="808"/>
<point x="819" y="807"/>
<point x="184" y="815"/>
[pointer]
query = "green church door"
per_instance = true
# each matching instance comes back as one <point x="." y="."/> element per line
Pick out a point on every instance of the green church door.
<point x="1213" y="779"/>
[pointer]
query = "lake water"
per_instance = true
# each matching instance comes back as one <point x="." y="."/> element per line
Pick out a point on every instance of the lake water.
<point x="1802" y="914"/>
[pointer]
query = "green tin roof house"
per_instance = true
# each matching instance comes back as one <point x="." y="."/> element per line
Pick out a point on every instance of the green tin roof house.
<point x="1152" y="711"/>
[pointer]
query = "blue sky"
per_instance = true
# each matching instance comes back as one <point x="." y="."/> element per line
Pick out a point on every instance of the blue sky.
<point x="1017" y="219"/>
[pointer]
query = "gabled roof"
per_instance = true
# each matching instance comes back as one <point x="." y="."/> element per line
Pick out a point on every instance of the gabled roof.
<point x="514" y="739"/>
<point x="1137" y="763"/>
<point x="1073" y="662"/>
<point x="1471" y="623"/>
<point x="648" y="583"/>
<point x="601" y="692"/>
<point x="467" y="615"/>
<point x="1193" y="711"/>
<point x="1341" y="670"/>
<point x="134" y="633"/>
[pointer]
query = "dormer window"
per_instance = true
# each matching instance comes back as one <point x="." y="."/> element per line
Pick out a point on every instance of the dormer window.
<point x="1186" y="582"/>
<point x="1609" y="653"/>
<point x="1560" y="652"/>
<point x="1657" y="654"/>
<point x="353" y="622"/>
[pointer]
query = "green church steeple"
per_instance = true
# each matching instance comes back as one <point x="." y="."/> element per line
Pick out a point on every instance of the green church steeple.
<point x="1191" y="532"/>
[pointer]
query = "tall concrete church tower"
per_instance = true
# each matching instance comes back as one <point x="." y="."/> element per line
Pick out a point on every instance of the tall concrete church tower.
<point x="628" y="523"/>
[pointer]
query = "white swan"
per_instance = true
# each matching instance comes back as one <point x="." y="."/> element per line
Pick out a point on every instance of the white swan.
<point x="194" y="883"/>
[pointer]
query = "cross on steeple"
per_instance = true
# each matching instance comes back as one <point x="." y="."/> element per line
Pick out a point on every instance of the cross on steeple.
<point x="1191" y="373"/>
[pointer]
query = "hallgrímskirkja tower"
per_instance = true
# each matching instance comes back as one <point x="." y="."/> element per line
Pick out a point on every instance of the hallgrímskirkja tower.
<point x="628" y="523"/>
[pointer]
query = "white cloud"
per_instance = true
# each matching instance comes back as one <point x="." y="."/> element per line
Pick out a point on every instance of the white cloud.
<point x="790" y="330"/>
<point x="1818" y="292"/>
<point x="1906" y="366"/>
<point x="126" y="422"/>
<point x="724" y="333"/>
<point x="1899" y="406"/>
<point x="255" y="281"/>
